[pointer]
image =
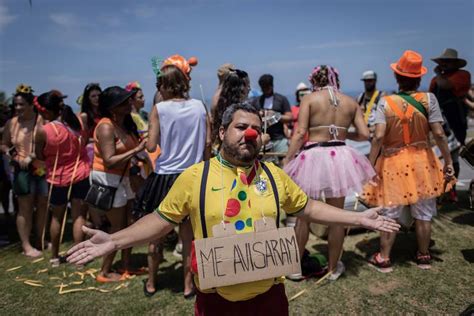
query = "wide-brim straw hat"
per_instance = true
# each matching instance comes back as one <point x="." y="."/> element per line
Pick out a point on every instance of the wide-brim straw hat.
<point x="451" y="54"/>
<point x="410" y="65"/>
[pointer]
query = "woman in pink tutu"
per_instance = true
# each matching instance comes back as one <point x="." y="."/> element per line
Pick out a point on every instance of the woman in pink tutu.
<point x="326" y="167"/>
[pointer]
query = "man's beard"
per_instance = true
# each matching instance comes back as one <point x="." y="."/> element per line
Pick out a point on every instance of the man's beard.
<point x="233" y="151"/>
<point x="370" y="89"/>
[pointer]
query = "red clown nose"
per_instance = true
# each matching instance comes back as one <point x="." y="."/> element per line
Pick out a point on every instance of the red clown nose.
<point x="250" y="134"/>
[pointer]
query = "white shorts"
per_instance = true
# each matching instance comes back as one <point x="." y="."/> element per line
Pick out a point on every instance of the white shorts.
<point x="124" y="190"/>
<point x="422" y="210"/>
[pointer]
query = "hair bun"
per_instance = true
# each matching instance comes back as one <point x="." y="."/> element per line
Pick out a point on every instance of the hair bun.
<point x="193" y="61"/>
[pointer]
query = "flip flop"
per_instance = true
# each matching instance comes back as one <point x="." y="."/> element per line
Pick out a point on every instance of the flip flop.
<point x="145" y="290"/>
<point x="103" y="279"/>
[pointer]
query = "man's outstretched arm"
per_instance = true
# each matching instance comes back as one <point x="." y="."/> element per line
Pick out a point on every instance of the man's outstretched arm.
<point x="148" y="228"/>
<point x="316" y="211"/>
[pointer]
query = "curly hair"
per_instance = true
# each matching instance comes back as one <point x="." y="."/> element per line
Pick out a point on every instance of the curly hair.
<point x="324" y="75"/>
<point x="233" y="91"/>
<point x="173" y="82"/>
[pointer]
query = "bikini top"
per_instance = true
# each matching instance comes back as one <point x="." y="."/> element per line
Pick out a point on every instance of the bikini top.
<point x="333" y="129"/>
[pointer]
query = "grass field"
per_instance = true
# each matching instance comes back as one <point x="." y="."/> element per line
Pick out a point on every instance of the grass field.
<point x="446" y="289"/>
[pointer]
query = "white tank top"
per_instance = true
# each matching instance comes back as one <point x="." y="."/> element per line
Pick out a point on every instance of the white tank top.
<point x="182" y="135"/>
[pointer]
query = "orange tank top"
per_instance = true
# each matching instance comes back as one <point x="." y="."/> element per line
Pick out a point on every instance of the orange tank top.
<point x="406" y="126"/>
<point x="121" y="146"/>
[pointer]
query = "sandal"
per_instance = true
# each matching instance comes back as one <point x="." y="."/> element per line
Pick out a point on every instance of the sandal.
<point x="54" y="262"/>
<point x="190" y="295"/>
<point x="103" y="279"/>
<point x="145" y="290"/>
<point x="139" y="271"/>
<point x="423" y="261"/>
<point x="381" y="264"/>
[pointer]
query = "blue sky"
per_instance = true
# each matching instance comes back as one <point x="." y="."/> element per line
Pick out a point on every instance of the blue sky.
<point x="65" y="44"/>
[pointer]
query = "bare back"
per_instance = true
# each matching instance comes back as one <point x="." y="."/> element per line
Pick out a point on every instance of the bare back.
<point x="319" y="114"/>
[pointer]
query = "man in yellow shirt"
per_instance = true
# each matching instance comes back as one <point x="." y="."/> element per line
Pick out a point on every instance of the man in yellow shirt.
<point x="233" y="187"/>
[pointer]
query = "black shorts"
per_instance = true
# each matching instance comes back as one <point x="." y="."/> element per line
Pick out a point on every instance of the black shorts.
<point x="79" y="191"/>
<point x="151" y="194"/>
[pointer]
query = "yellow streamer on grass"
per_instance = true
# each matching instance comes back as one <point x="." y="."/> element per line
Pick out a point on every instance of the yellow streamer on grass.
<point x="297" y="295"/>
<point x="38" y="260"/>
<point x="14" y="268"/>
<point x="33" y="283"/>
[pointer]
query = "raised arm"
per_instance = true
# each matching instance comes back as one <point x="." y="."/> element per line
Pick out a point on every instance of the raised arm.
<point x="106" y="138"/>
<point x="362" y="131"/>
<point x="208" y="147"/>
<point x="319" y="212"/>
<point x="6" y="138"/>
<point x="377" y="142"/>
<point x="286" y="117"/>
<point x="153" y="130"/>
<point x="440" y="139"/>
<point x="148" y="228"/>
<point x="40" y="142"/>
<point x="297" y="140"/>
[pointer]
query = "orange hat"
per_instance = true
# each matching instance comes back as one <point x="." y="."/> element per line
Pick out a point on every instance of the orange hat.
<point x="181" y="63"/>
<point x="410" y="65"/>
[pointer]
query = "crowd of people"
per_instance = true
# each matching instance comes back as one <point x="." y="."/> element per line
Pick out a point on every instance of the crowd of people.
<point x="130" y="177"/>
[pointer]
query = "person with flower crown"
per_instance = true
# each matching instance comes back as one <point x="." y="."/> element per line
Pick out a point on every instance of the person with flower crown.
<point x="325" y="168"/>
<point x="29" y="183"/>
<point x="408" y="171"/>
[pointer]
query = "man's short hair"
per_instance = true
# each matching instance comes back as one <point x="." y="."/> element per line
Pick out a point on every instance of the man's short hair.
<point x="228" y="115"/>
<point x="265" y="80"/>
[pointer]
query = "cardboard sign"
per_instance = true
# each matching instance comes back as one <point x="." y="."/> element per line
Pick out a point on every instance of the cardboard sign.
<point x="229" y="258"/>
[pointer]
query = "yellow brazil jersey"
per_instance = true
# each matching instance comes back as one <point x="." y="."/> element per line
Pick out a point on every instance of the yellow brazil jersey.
<point x="142" y="125"/>
<point x="235" y="195"/>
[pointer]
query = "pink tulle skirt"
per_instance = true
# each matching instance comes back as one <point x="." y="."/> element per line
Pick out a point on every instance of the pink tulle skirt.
<point x="334" y="171"/>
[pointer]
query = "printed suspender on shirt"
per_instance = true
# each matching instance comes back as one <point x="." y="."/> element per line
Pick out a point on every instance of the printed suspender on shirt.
<point x="202" y="196"/>
<point x="275" y="192"/>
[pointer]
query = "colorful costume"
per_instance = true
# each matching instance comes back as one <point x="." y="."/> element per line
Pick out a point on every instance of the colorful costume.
<point x="330" y="169"/>
<point x="236" y="195"/>
<point x="408" y="169"/>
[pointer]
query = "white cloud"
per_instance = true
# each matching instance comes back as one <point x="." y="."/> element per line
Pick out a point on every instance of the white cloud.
<point x="65" y="19"/>
<point x="5" y="17"/>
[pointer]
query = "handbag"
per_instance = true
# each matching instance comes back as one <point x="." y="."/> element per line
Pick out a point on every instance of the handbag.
<point x="102" y="196"/>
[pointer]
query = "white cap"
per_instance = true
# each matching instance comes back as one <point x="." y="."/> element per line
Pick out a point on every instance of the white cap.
<point x="369" y="75"/>
<point x="301" y="86"/>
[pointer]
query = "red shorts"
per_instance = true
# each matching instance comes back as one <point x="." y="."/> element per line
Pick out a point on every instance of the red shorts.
<point x="273" y="302"/>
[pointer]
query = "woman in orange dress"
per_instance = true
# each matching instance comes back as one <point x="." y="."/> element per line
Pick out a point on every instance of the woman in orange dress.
<point x="408" y="171"/>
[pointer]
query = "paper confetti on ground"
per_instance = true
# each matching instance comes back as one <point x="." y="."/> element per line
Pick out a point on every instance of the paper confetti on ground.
<point x="14" y="268"/>
<point x="33" y="283"/>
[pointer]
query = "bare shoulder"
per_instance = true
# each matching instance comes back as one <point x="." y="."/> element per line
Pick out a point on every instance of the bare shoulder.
<point x="348" y="101"/>
<point x="105" y="129"/>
